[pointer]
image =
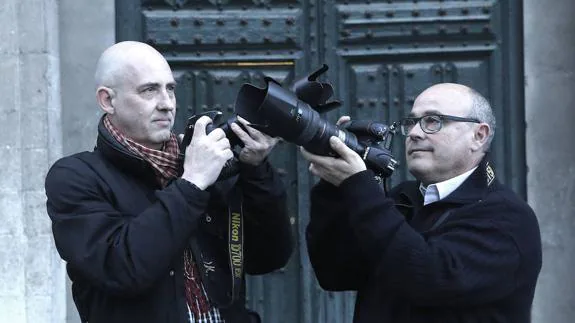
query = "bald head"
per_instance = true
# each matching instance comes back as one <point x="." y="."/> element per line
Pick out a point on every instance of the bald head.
<point x="454" y="97"/>
<point x="461" y="100"/>
<point x="121" y="61"/>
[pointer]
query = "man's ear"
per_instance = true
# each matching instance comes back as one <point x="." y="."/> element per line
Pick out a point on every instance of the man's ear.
<point x="105" y="97"/>
<point x="480" y="135"/>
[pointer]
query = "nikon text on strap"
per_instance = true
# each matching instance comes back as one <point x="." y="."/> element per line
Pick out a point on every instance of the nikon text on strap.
<point x="236" y="241"/>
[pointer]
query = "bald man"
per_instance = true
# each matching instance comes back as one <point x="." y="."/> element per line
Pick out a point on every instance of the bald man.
<point x="455" y="245"/>
<point x="146" y="242"/>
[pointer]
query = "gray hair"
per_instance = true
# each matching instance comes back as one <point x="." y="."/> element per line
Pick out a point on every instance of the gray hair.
<point x="481" y="110"/>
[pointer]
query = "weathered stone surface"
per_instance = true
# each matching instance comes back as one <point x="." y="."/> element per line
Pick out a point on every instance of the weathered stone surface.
<point x="549" y="114"/>
<point x="32" y="283"/>
<point x="9" y="30"/>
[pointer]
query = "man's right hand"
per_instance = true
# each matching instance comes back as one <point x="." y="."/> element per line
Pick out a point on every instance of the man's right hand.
<point x="206" y="155"/>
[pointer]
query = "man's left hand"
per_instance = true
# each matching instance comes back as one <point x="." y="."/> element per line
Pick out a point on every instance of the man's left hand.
<point x="257" y="145"/>
<point x="335" y="170"/>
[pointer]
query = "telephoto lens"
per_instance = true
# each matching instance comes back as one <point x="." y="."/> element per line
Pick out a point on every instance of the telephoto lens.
<point x="280" y="113"/>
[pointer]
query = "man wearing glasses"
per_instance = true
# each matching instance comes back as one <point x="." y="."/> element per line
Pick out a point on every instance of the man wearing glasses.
<point x="453" y="246"/>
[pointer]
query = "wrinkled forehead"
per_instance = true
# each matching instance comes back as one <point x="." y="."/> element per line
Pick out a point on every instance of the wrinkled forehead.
<point x="442" y="101"/>
<point x="146" y="70"/>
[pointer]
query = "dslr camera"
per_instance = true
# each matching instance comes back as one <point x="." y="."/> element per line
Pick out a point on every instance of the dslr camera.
<point x="294" y="115"/>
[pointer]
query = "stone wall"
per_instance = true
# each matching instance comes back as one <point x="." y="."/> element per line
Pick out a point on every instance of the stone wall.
<point x="32" y="279"/>
<point x="550" y="140"/>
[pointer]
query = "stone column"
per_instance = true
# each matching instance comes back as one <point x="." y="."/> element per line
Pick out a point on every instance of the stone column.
<point x="32" y="284"/>
<point x="550" y="138"/>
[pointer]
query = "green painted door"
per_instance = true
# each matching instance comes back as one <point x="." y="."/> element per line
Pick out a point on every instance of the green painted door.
<point x="381" y="55"/>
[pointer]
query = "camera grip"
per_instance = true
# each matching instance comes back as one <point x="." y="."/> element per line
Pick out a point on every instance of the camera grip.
<point x="380" y="160"/>
<point x="231" y="167"/>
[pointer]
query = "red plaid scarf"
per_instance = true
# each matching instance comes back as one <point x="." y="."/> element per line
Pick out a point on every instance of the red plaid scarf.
<point x="165" y="164"/>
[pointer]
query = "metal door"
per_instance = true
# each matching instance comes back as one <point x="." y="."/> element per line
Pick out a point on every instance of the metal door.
<point x="381" y="55"/>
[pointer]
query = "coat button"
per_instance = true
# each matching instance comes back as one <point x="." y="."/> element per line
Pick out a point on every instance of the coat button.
<point x="208" y="218"/>
<point x="171" y="273"/>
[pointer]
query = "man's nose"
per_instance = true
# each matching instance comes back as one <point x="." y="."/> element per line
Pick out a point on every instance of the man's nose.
<point x="416" y="132"/>
<point x="167" y="100"/>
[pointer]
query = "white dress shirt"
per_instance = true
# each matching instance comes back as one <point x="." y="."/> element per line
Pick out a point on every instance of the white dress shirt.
<point x="438" y="191"/>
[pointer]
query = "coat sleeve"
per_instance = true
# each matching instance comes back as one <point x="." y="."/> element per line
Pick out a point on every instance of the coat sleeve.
<point x="268" y="238"/>
<point x="117" y="252"/>
<point x="332" y="247"/>
<point x="473" y="259"/>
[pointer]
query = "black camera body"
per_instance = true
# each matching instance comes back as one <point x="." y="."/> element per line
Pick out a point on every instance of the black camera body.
<point x="231" y="167"/>
<point x="294" y="115"/>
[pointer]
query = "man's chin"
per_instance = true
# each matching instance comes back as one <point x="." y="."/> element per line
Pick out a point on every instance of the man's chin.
<point x="162" y="136"/>
<point x="418" y="166"/>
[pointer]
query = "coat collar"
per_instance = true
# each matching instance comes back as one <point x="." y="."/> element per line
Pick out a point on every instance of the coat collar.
<point x="472" y="189"/>
<point x="476" y="186"/>
<point x="119" y="155"/>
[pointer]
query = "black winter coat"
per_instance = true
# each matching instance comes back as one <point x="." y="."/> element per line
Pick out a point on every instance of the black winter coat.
<point x="123" y="236"/>
<point x="479" y="264"/>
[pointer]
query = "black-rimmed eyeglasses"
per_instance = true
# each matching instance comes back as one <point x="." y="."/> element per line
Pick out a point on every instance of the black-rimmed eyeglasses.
<point x="430" y="123"/>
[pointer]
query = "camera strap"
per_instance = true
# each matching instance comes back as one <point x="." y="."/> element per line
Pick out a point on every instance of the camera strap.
<point x="236" y="240"/>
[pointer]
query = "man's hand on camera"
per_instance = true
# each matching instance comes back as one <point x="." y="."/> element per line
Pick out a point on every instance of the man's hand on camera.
<point x="257" y="145"/>
<point x="206" y="155"/>
<point x="335" y="170"/>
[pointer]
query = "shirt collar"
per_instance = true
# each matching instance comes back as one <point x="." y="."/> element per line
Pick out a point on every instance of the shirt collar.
<point x="438" y="191"/>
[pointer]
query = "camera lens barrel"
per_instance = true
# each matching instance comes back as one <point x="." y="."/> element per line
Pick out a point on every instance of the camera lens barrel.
<point x="280" y="113"/>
